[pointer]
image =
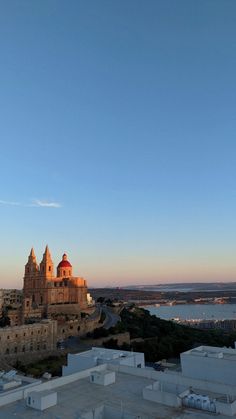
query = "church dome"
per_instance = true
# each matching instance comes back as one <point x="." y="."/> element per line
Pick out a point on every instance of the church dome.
<point x="64" y="262"/>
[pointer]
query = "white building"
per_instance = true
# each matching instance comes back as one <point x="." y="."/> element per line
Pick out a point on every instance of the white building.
<point x="98" y="356"/>
<point x="114" y="390"/>
<point x="207" y="382"/>
<point x="211" y="364"/>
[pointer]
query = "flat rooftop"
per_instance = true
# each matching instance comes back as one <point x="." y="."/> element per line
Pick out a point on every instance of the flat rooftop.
<point x="77" y="398"/>
<point x="104" y="353"/>
<point x="80" y="396"/>
<point x="213" y="352"/>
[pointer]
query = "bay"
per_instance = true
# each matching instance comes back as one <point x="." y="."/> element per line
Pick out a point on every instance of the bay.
<point x="195" y="311"/>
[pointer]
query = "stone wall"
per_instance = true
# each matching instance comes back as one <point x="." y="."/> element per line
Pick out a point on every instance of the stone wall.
<point x="28" y="338"/>
<point x="76" y="327"/>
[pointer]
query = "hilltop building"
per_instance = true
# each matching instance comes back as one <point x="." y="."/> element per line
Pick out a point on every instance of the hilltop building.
<point x="45" y="294"/>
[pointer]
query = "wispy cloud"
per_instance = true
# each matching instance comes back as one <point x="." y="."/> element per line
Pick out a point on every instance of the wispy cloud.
<point x="10" y="203"/>
<point x="34" y="203"/>
<point x="39" y="203"/>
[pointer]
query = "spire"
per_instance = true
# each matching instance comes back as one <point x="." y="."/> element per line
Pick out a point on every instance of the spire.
<point x="32" y="254"/>
<point x="47" y="253"/>
<point x="46" y="265"/>
<point x="31" y="267"/>
<point x="32" y="257"/>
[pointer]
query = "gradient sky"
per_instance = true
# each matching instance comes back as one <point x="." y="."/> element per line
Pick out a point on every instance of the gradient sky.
<point x="118" y="122"/>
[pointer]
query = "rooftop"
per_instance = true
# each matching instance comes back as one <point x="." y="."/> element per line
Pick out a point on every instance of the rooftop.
<point x="213" y="352"/>
<point x="76" y="398"/>
<point x="106" y="354"/>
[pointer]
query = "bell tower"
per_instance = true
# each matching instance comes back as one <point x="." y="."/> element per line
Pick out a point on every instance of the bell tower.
<point x="46" y="266"/>
<point x="31" y="267"/>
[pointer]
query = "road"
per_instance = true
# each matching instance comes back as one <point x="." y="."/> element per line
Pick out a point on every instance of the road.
<point x="111" y="318"/>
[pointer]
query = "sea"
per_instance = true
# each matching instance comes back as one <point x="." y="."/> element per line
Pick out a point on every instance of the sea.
<point x="195" y="311"/>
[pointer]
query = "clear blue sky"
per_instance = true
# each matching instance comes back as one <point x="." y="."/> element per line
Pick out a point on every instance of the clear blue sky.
<point x="121" y="115"/>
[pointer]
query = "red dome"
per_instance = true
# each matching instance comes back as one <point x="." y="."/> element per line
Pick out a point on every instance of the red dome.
<point x="64" y="263"/>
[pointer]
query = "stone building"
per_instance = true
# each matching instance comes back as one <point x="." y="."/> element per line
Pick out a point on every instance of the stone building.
<point x="45" y="294"/>
<point x="40" y="336"/>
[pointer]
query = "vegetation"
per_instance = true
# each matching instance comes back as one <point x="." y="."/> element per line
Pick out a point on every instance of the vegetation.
<point x="52" y="364"/>
<point x="165" y="339"/>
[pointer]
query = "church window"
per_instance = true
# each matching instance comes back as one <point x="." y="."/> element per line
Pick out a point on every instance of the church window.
<point x="64" y="272"/>
<point x="49" y="268"/>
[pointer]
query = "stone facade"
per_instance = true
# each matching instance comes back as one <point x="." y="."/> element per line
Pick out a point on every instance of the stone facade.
<point x="28" y="338"/>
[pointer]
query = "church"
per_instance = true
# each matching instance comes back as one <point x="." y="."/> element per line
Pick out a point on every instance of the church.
<point x="45" y="294"/>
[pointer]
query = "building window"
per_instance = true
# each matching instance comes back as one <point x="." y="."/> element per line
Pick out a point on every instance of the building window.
<point x="49" y="268"/>
<point x="64" y="272"/>
<point x="23" y="349"/>
<point x="15" y="350"/>
<point x="31" y="347"/>
<point x="38" y="346"/>
<point x="7" y="351"/>
<point x="8" y="337"/>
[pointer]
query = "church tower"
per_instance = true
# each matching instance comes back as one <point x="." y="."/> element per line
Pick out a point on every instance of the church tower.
<point x="46" y="266"/>
<point x="31" y="267"/>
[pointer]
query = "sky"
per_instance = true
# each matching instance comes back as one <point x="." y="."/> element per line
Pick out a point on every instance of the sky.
<point x="117" y="138"/>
